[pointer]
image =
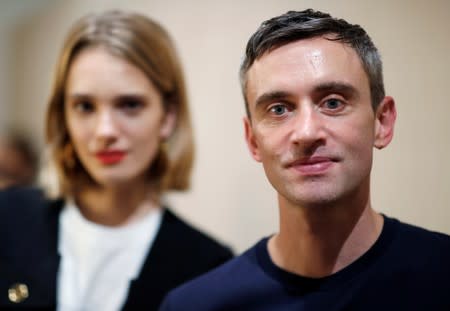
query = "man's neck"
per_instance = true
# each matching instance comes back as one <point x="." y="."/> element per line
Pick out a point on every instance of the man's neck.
<point x="319" y="241"/>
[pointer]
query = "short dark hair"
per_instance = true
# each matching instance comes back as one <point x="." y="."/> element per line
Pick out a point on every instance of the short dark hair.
<point x="298" y="25"/>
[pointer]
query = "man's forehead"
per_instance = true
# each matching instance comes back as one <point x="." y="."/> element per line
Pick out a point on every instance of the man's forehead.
<point x="303" y="61"/>
<point x="310" y="47"/>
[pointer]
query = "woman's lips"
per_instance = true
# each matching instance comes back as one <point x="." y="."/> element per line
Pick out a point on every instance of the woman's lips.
<point x="110" y="157"/>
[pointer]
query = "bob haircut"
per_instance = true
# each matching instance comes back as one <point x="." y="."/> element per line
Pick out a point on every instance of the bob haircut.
<point x="145" y="44"/>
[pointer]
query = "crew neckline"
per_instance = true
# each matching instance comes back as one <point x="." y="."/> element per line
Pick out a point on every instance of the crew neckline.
<point x="302" y="284"/>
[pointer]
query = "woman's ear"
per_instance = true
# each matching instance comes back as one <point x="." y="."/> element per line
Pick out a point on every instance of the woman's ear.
<point x="168" y="123"/>
<point x="385" y="117"/>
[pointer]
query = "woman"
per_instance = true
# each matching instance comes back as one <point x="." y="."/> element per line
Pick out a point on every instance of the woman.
<point x="119" y="136"/>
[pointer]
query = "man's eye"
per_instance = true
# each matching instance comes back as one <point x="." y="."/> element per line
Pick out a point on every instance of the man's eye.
<point x="333" y="104"/>
<point x="278" y="110"/>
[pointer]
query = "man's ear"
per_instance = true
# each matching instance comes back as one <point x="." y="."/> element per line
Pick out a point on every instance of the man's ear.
<point x="250" y="138"/>
<point x="168" y="123"/>
<point x="385" y="117"/>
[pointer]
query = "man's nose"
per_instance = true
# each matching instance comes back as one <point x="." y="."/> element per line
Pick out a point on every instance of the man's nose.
<point x="308" y="126"/>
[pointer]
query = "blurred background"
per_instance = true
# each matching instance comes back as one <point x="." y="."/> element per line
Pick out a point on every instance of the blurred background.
<point x="231" y="198"/>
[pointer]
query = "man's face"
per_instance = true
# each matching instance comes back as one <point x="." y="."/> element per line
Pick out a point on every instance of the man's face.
<point x="312" y="125"/>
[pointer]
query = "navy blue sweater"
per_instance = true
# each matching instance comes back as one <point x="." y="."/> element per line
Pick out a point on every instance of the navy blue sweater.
<point x="408" y="268"/>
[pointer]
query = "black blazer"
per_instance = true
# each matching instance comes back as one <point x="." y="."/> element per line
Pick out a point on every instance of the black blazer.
<point x="28" y="254"/>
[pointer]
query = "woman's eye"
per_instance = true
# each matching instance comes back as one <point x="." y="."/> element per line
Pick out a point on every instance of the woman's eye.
<point x="84" y="106"/>
<point x="130" y="104"/>
<point x="278" y="110"/>
<point x="333" y="104"/>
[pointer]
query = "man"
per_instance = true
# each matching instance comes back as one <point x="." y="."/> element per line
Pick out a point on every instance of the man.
<point x="316" y="107"/>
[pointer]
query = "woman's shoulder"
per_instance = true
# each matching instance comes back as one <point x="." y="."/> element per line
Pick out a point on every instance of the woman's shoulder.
<point x="21" y="205"/>
<point x="20" y="193"/>
<point x="15" y="198"/>
<point x="190" y="239"/>
<point x="28" y="227"/>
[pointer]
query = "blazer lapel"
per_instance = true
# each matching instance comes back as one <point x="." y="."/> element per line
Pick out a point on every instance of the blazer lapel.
<point x="48" y="261"/>
<point x="158" y="273"/>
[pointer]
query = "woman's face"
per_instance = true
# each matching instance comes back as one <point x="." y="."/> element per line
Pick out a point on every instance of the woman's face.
<point x="115" y="118"/>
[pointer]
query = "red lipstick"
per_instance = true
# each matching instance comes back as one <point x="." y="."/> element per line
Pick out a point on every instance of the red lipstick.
<point x="110" y="157"/>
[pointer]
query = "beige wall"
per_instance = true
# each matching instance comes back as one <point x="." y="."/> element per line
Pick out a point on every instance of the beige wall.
<point x="231" y="198"/>
<point x="5" y="83"/>
<point x="12" y="13"/>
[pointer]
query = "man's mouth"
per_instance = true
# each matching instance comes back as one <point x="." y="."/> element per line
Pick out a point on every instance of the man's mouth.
<point x="312" y="165"/>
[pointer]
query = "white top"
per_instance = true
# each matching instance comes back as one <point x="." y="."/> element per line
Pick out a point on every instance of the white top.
<point x="98" y="262"/>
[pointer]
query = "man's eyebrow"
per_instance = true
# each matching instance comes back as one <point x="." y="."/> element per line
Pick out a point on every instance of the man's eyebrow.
<point x="270" y="97"/>
<point x="337" y="87"/>
<point x="326" y="87"/>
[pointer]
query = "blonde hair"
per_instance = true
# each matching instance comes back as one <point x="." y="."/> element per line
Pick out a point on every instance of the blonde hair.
<point x="145" y="44"/>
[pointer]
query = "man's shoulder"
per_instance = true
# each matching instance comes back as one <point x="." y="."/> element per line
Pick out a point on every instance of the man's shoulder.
<point x="414" y="236"/>
<point x="219" y="286"/>
<point x="423" y="250"/>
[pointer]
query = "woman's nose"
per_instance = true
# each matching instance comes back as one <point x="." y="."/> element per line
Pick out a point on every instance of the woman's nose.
<point x="106" y="125"/>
